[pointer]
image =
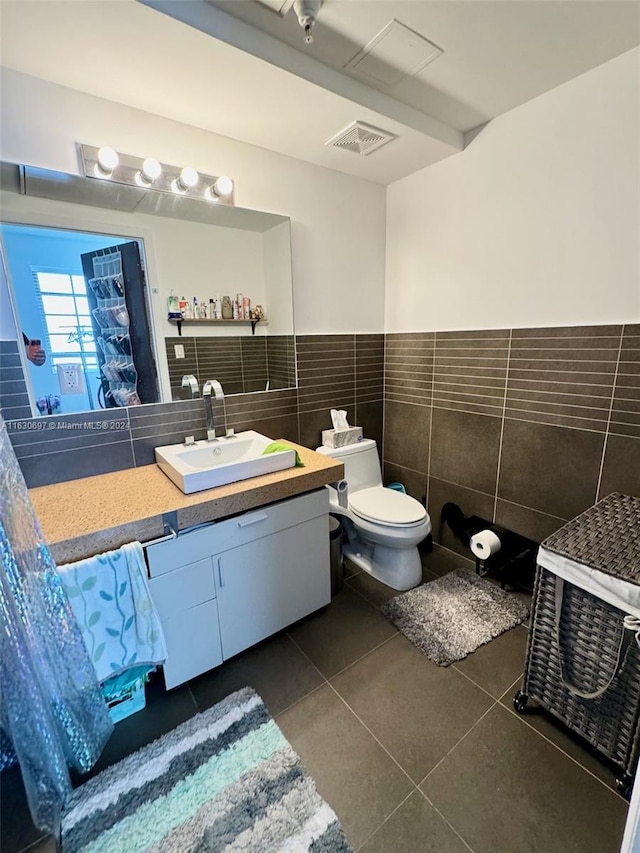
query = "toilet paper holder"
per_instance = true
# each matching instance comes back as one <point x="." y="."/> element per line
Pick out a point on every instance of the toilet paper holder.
<point x="497" y="551"/>
<point x="509" y="556"/>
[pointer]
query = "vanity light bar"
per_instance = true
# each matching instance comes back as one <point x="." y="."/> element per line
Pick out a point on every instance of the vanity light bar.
<point x="106" y="164"/>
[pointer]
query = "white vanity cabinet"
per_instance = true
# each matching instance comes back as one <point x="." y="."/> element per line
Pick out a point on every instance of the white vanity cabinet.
<point x="226" y="586"/>
<point x="183" y="589"/>
<point x="271" y="569"/>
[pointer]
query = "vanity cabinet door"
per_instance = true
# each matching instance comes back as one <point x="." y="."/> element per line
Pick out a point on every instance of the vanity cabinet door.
<point x="186" y="602"/>
<point x="267" y="584"/>
<point x="193" y="643"/>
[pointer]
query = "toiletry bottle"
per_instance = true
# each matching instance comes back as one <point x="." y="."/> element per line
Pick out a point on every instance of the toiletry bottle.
<point x="240" y="304"/>
<point x="227" y="310"/>
<point x="211" y="310"/>
<point x="173" y="305"/>
<point x="185" y="307"/>
<point x="204" y="306"/>
<point x="196" y="311"/>
<point x="235" y="311"/>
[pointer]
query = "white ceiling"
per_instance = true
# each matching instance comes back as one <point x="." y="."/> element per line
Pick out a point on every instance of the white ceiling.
<point x="236" y="68"/>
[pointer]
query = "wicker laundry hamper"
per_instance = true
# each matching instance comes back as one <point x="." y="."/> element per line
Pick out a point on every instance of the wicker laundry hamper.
<point x="583" y="664"/>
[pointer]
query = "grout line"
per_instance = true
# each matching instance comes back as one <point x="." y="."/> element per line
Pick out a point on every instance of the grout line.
<point x="512" y="416"/>
<point x="401" y="803"/>
<point x="365" y="655"/>
<point x="504" y="409"/>
<point x="456" y="554"/>
<point x="133" y="449"/>
<point x="193" y="698"/>
<point x="301" y="698"/>
<point x="406" y="468"/>
<point x="446" y="820"/>
<point x="470" y="384"/>
<point x="522" y="718"/>
<point x="486" y="494"/>
<point x="475" y="683"/>
<point x="380" y="744"/>
<point x="431" y="410"/>
<point x="517" y="684"/>
<point x="384" y="398"/>
<point x="38" y="842"/>
<point x="606" y="433"/>
<point x="458" y="742"/>
<point x="416" y="786"/>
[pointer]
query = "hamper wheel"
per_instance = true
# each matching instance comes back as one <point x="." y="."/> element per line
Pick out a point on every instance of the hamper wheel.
<point x="623" y="785"/>
<point x="520" y="701"/>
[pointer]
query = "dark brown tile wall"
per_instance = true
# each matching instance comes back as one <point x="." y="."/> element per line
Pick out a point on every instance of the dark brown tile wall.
<point x="524" y="427"/>
<point x="281" y="361"/>
<point x="243" y="364"/>
<point x="331" y="367"/>
<point x="563" y="376"/>
<point x="55" y="449"/>
<point x="408" y="368"/>
<point x="514" y="425"/>
<point x="340" y="372"/>
<point x="254" y="364"/>
<point x="14" y="399"/>
<point x="470" y="371"/>
<point x="625" y="414"/>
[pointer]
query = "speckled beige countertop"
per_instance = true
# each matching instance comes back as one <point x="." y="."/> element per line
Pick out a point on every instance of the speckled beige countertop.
<point x="83" y="517"/>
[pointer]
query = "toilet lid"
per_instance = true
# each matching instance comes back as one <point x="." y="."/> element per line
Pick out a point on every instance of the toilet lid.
<point x="386" y="506"/>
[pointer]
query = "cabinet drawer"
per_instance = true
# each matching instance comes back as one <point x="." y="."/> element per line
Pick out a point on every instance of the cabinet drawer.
<point x="183" y="588"/>
<point x="255" y="524"/>
<point x="193" y="643"/>
<point x="181" y="551"/>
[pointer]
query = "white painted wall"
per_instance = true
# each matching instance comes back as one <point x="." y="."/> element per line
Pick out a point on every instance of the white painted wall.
<point x="8" y="330"/>
<point x="276" y="245"/>
<point x="536" y="223"/>
<point x="338" y="222"/>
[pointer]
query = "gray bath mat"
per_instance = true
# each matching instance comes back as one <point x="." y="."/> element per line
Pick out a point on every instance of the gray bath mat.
<point x="451" y="617"/>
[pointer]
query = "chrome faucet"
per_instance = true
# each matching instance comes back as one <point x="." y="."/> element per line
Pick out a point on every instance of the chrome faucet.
<point x="190" y="381"/>
<point x="209" y="386"/>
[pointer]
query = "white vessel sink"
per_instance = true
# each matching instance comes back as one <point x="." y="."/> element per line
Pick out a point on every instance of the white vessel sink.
<point x="207" y="464"/>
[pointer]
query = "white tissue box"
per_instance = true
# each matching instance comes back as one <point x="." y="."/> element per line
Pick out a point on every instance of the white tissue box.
<point x="341" y="437"/>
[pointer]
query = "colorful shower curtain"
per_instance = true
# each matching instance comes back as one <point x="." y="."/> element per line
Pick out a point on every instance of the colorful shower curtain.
<point x="52" y="713"/>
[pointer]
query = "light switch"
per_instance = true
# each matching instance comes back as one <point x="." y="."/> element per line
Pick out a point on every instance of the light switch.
<point x="179" y="350"/>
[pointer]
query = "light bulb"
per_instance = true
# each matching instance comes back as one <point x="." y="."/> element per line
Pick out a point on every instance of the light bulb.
<point x="223" y="186"/>
<point x="107" y="160"/>
<point x="151" y="169"/>
<point x="188" y="178"/>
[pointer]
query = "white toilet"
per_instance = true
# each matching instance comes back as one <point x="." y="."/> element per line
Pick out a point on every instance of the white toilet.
<point x="384" y="527"/>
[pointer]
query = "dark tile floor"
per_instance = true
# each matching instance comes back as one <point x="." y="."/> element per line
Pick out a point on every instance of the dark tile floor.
<point x="413" y="757"/>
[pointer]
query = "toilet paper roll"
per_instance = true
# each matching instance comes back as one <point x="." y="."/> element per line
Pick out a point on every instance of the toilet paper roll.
<point x="342" y="488"/>
<point x="484" y="544"/>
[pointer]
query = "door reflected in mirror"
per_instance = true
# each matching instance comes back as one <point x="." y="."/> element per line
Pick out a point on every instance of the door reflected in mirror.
<point x="91" y="302"/>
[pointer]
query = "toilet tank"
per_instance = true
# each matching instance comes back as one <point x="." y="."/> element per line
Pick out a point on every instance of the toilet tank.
<point x="361" y="463"/>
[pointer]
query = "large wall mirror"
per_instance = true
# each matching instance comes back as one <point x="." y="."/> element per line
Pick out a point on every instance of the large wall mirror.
<point x="89" y="269"/>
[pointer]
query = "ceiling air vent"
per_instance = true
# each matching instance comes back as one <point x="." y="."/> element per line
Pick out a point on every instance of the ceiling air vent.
<point x="279" y="6"/>
<point x="360" y="138"/>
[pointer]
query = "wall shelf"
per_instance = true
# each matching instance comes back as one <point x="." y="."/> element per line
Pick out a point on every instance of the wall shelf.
<point x="253" y="323"/>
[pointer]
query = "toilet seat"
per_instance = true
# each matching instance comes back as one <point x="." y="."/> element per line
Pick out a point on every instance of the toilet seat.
<point x="386" y="506"/>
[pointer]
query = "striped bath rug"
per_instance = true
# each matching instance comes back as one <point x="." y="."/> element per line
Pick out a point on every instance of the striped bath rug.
<point x="227" y="779"/>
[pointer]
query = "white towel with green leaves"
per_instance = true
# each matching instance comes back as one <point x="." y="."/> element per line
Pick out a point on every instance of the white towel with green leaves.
<point x="120" y="625"/>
